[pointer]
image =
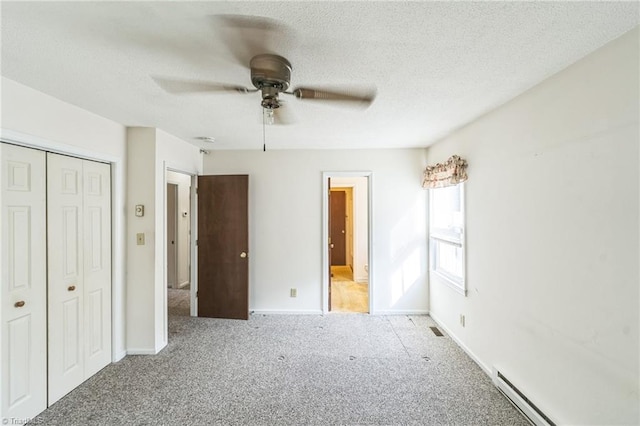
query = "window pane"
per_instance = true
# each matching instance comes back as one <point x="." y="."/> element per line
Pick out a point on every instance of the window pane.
<point x="446" y="230"/>
<point x="446" y="209"/>
<point x="449" y="259"/>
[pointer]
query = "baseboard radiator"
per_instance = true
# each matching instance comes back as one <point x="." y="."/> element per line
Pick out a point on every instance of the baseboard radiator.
<point x="524" y="404"/>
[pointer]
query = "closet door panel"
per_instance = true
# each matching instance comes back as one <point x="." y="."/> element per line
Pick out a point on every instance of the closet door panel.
<point x="65" y="275"/>
<point x="97" y="265"/>
<point x="23" y="373"/>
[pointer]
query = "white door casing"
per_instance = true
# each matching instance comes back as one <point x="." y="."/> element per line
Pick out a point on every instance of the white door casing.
<point x="79" y="273"/>
<point x="23" y="360"/>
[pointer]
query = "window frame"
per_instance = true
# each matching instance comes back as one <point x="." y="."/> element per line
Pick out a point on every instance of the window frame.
<point x="439" y="236"/>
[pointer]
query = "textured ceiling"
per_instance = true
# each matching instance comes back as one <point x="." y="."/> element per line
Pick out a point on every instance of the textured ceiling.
<point x="436" y="65"/>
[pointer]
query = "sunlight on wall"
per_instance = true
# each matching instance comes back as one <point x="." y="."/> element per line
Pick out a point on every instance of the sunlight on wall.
<point x="407" y="274"/>
<point x="408" y="250"/>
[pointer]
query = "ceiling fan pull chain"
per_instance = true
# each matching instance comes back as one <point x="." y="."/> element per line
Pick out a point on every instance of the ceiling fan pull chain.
<point x="264" y="139"/>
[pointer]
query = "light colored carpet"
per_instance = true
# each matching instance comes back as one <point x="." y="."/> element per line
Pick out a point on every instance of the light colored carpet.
<point x="178" y="301"/>
<point x="346" y="294"/>
<point x="292" y="370"/>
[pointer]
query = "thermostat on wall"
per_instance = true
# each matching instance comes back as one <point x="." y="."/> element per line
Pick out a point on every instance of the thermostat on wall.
<point x="139" y="210"/>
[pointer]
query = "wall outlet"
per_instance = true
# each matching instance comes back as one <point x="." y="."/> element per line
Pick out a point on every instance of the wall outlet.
<point x="140" y="239"/>
<point x="293" y="292"/>
<point x="462" y="320"/>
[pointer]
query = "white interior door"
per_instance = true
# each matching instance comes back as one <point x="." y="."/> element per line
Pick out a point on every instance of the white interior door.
<point x="79" y="273"/>
<point x="23" y="359"/>
<point x="66" y="280"/>
<point x="97" y="265"/>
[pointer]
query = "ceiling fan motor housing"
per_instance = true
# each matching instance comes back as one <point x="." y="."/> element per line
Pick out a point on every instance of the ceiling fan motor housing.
<point x="270" y="74"/>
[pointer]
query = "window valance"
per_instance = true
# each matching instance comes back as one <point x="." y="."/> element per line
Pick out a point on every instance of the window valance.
<point x="452" y="172"/>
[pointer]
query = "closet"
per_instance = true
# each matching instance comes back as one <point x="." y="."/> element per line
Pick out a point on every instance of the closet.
<point x="56" y="276"/>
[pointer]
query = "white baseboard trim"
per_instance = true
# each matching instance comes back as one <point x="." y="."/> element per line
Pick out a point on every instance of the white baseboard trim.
<point x="406" y="312"/>
<point x="119" y="356"/>
<point x="183" y="284"/>
<point x="141" y="352"/>
<point x="468" y="351"/>
<point x="279" y="312"/>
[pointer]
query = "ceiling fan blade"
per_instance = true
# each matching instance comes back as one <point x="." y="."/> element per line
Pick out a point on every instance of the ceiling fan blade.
<point x="352" y="97"/>
<point x="181" y="87"/>
<point x="247" y="36"/>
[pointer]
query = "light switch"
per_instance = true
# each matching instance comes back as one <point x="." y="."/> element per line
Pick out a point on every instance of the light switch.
<point x="140" y="239"/>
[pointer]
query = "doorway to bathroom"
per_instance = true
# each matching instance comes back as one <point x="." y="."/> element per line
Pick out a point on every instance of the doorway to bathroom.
<point x="347" y="225"/>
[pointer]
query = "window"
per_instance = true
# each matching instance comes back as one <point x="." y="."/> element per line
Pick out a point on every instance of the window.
<point x="446" y="235"/>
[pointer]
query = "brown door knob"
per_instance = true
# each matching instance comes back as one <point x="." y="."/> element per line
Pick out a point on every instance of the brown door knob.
<point x="71" y="287"/>
<point x="19" y="304"/>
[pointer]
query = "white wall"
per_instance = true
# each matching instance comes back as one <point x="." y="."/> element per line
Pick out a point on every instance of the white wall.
<point x="360" y="225"/>
<point x="150" y="153"/>
<point x="285" y="224"/>
<point x="552" y="208"/>
<point x="141" y="151"/>
<point x="34" y="119"/>
<point x="183" y="223"/>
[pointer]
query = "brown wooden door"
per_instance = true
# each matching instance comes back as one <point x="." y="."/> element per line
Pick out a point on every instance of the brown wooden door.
<point x="338" y="224"/>
<point x="223" y="247"/>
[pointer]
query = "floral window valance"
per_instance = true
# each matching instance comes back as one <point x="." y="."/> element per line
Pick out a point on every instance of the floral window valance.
<point x="453" y="172"/>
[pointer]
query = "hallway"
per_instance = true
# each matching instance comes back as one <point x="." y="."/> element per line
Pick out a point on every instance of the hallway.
<point x="346" y="294"/>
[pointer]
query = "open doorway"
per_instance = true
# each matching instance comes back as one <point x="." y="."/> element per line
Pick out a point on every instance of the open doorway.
<point x="346" y="221"/>
<point x="178" y="234"/>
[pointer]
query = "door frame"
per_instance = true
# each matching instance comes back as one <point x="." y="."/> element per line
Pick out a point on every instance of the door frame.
<point x="193" y="226"/>
<point x="325" y="234"/>
<point x="118" y="308"/>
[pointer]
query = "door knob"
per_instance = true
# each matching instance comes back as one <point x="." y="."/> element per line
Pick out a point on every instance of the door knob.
<point x="19" y="304"/>
<point x="331" y="245"/>
<point x="243" y="255"/>
<point x="71" y="288"/>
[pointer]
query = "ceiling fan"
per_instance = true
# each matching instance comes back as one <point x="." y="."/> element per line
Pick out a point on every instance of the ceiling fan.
<point x="270" y="73"/>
